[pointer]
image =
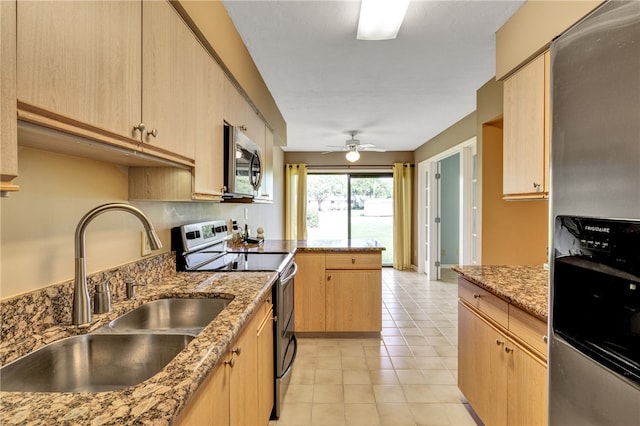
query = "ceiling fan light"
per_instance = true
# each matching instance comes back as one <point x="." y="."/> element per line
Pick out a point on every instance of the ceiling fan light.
<point x="353" y="156"/>
<point x="381" y="19"/>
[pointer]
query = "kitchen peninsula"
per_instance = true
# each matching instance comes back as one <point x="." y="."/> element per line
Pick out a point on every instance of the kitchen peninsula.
<point x="338" y="286"/>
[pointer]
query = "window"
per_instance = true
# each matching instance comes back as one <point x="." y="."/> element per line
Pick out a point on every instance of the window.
<point x="351" y="206"/>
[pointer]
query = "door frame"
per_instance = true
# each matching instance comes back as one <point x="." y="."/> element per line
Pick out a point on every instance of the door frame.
<point x="427" y="238"/>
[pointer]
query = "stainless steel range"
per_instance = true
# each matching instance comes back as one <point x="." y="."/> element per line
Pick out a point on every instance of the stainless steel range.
<point x="203" y="247"/>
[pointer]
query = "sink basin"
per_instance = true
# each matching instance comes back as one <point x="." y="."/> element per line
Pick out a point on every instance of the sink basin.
<point x="168" y="315"/>
<point x="92" y="363"/>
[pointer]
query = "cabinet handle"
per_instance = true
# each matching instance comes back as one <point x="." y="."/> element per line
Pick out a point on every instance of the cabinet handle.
<point x="507" y="349"/>
<point x="353" y="260"/>
<point x="230" y="363"/>
<point x="275" y="318"/>
<point x="153" y="132"/>
<point x="476" y="296"/>
<point x="140" y="127"/>
<point x="328" y="277"/>
<point x="237" y="351"/>
<point x="545" y="339"/>
<point x="499" y="342"/>
<point x="536" y="186"/>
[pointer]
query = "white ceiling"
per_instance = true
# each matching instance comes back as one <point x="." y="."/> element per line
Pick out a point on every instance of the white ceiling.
<point x="398" y="93"/>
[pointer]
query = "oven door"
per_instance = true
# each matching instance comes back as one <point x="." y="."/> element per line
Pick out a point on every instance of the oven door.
<point x="286" y="344"/>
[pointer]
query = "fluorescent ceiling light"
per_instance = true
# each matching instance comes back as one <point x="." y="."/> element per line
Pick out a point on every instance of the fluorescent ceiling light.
<point x="353" y="155"/>
<point x="381" y="19"/>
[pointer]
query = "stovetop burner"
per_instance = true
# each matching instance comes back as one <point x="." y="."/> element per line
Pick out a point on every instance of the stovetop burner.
<point x="202" y="247"/>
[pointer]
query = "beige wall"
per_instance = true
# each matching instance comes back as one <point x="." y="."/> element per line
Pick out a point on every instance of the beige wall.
<point x="38" y="223"/>
<point x="513" y="232"/>
<point x="459" y="132"/>
<point x="338" y="159"/>
<point x="530" y="30"/>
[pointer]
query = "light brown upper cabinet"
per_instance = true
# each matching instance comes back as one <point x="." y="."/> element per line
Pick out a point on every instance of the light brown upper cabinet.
<point x="8" y="128"/>
<point x="526" y="132"/>
<point x="265" y="193"/>
<point x="90" y="69"/>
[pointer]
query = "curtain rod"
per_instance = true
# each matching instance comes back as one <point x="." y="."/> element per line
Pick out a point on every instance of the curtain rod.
<point x="354" y="166"/>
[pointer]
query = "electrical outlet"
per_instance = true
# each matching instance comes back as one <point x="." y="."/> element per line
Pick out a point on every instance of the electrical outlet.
<point x="145" y="247"/>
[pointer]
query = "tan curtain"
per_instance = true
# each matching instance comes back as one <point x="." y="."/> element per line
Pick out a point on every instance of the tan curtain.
<point x="402" y="209"/>
<point x="295" y="214"/>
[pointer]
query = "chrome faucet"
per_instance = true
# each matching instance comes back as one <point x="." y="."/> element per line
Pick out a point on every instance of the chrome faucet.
<point x="81" y="313"/>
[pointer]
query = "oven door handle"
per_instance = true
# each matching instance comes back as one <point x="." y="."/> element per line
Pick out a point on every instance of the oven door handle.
<point x="293" y="358"/>
<point x="291" y="275"/>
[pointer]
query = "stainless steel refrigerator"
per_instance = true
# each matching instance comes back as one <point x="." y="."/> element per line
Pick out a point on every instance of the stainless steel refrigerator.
<point x="594" y="347"/>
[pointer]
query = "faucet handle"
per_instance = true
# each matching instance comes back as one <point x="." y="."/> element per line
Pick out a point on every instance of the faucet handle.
<point x="131" y="288"/>
<point x="102" y="298"/>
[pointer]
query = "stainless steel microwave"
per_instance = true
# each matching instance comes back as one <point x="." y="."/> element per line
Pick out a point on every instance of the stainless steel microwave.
<point x="243" y="164"/>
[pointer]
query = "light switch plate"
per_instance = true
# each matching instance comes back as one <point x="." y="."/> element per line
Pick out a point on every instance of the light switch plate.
<point x="145" y="249"/>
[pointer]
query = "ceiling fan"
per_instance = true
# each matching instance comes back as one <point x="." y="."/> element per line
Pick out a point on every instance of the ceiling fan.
<point x="353" y="147"/>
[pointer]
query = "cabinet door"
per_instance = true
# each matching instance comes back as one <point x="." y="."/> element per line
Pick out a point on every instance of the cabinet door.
<point x="353" y="300"/>
<point x="233" y="105"/>
<point x="266" y="187"/>
<point x="526" y="388"/>
<point x="210" y="404"/>
<point x="266" y="377"/>
<point x="309" y="297"/>
<point x="208" y="123"/>
<point x="8" y="128"/>
<point x="170" y="79"/>
<point x="525" y="156"/>
<point x="81" y="61"/>
<point x="482" y="376"/>
<point x="243" y="395"/>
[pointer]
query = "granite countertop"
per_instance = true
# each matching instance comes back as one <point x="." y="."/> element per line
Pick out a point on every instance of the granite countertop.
<point x="159" y="399"/>
<point x="523" y="286"/>
<point x="292" y="246"/>
<point x="340" y="245"/>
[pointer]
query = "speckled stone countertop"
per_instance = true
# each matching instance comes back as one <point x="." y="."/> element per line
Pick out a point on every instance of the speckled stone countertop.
<point x="340" y="245"/>
<point x="292" y="246"/>
<point x="159" y="399"/>
<point x="523" y="286"/>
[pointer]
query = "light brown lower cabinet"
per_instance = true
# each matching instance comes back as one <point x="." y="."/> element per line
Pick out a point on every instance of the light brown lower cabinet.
<point x="237" y="392"/>
<point x="353" y="300"/>
<point x="504" y="381"/>
<point x="338" y="292"/>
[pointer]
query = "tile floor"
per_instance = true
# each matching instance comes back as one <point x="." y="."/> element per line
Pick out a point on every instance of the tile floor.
<point x="406" y="377"/>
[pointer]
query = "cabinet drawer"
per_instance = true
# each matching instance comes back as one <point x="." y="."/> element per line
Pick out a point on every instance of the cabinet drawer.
<point x="353" y="261"/>
<point x="529" y="329"/>
<point x="487" y="303"/>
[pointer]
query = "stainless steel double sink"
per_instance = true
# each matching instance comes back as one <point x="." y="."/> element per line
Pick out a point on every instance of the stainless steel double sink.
<point x="123" y="353"/>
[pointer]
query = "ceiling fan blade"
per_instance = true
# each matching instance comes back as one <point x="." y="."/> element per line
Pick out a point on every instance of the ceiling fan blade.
<point x="375" y="149"/>
<point x="367" y="145"/>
